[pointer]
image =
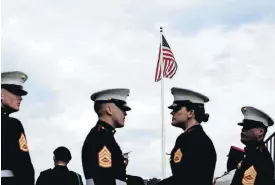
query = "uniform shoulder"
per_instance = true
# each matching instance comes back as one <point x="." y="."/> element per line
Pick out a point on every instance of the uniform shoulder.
<point x="262" y="160"/>
<point x="262" y="151"/>
<point x="45" y="172"/>
<point x="264" y="154"/>
<point x="16" y="124"/>
<point x="201" y="140"/>
<point x="200" y="133"/>
<point x="97" y="131"/>
<point x="75" y="173"/>
<point x="44" y="175"/>
<point x="97" y="137"/>
<point x="16" y="121"/>
<point x="134" y="179"/>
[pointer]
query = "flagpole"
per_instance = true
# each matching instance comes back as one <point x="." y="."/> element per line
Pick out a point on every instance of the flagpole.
<point x="163" y="161"/>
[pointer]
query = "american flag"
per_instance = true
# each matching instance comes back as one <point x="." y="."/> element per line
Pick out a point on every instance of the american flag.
<point x="170" y="65"/>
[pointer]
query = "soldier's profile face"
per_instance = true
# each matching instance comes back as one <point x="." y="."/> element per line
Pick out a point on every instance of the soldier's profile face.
<point x="118" y="116"/>
<point x="250" y="134"/>
<point x="10" y="100"/>
<point x="179" y="116"/>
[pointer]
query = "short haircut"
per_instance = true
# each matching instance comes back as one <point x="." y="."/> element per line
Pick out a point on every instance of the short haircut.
<point x="62" y="154"/>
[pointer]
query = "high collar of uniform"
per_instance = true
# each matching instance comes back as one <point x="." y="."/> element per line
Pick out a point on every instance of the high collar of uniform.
<point x="61" y="167"/>
<point x="254" y="147"/>
<point x="4" y="112"/>
<point x="105" y="126"/>
<point x="195" y="127"/>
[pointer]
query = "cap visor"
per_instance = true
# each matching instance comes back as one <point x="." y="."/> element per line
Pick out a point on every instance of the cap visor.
<point x="251" y="124"/>
<point x="15" y="90"/>
<point x="172" y="106"/>
<point x="241" y="124"/>
<point x="126" y="108"/>
<point x="23" y="92"/>
<point x="19" y="92"/>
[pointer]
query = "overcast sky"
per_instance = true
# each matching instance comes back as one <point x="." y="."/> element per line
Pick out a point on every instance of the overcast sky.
<point x="70" y="49"/>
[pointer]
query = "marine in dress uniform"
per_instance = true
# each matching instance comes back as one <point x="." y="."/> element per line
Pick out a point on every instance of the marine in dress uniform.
<point x="102" y="159"/>
<point x="257" y="167"/>
<point x="130" y="179"/>
<point x="193" y="157"/>
<point x="235" y="156"/>
<point x="16" y="165"/>
<point x="60" y="174"/>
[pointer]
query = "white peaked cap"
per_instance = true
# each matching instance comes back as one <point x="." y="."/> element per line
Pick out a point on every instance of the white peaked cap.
<point x="251" y="113"/>
<point x="112" y="94"/>
<point x="187" y="95"/>
<point x="13" y="78"/>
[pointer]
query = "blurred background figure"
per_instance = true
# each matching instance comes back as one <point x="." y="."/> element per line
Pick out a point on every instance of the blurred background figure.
<point x="60" y="174"/>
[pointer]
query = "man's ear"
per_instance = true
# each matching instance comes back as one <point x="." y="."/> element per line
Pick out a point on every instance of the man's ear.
<point x="109" y="109"/>
<point x="261" y="133"/>
<point x="191" y="113"/>
<point x="2" y="94"/>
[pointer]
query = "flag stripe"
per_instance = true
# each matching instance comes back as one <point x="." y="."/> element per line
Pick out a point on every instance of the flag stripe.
<point x="167" y="50"/>
<point x="165" y="67"/>
<point x="168" y="62"/>
<point x="173" y="72"/>
<point x="172" y="64"/>
<point x="169" y="55"/>
<point x="158" y="72"/>
<point x="168" y="58"/>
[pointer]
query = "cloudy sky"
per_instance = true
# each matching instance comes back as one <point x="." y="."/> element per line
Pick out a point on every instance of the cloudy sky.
<point x="70" y="49"/>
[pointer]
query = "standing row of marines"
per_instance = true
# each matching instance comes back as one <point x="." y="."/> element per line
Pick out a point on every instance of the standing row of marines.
<point x="192" y="159"/>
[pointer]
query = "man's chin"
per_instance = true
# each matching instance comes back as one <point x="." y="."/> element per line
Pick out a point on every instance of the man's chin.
<point x="14" y="109"/>
<point x="244" y="141"/>
<point x="120" y="125"/>
<point x="175" y="124"/>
